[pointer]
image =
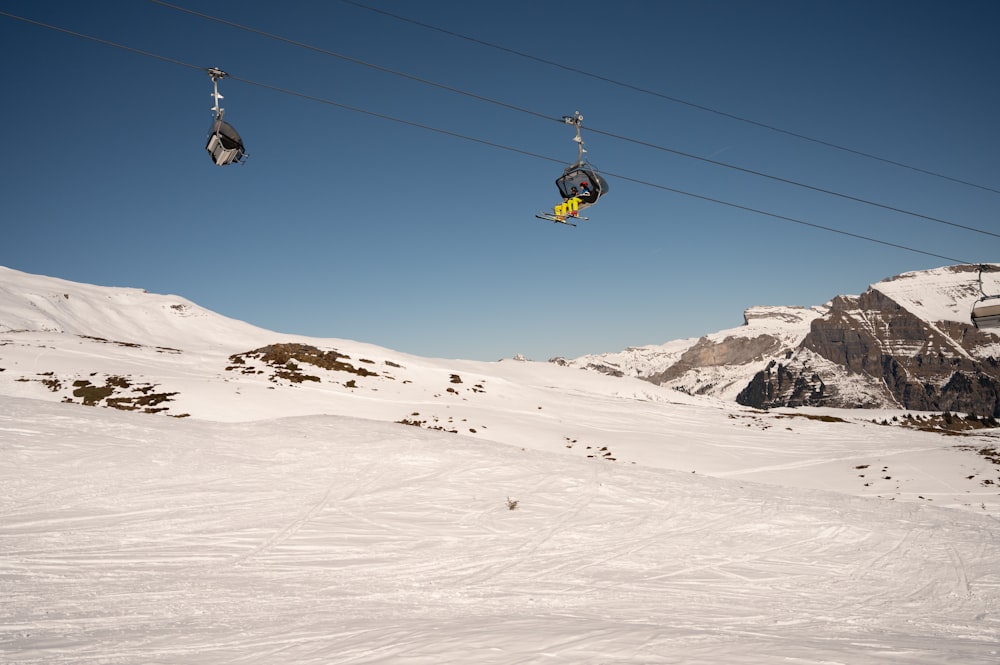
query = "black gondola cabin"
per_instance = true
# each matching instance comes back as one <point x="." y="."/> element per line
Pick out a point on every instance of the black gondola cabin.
<point x="224" y="144"/>
<point x="589" y="185"/>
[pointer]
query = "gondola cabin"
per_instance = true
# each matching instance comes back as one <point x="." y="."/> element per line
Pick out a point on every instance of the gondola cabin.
<point x="589" y="185"/>
<point x="224" y="144"/>
<point x="986" y="313"/>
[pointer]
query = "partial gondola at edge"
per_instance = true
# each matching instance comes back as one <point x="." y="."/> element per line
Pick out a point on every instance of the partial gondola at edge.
<point x="986" y="310"/>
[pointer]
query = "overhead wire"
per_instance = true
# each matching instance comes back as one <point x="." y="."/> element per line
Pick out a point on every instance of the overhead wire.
<point x="482" y="141"/>
<point x="677" y="100"/>
<point x="348" y="58"/>
<point x="783" y="217"/>
<point x="788" y="181"/>
<point x="536" y="114"/>
<point x="100" y="41"/>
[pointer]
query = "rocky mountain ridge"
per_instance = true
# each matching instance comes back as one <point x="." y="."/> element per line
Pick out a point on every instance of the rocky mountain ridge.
<point x="906" y="342"/>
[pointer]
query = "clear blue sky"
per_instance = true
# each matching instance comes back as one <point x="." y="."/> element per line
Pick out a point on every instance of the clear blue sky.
<point x="344" y="224"/>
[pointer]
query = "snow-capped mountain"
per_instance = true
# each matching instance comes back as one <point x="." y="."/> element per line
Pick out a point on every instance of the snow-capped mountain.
<point x="718" y="364"/>
<point x="907" y="342"/>
<point x="131" y="350"/>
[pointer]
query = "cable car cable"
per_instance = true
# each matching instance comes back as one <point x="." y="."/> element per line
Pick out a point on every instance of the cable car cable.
<point x="620" y="137"/>
<point x="100" y="41"/>
<point x="383" y="116"/>
<point x="676" y="100"/>
<point x="487" y="143"/>
<point x="793" y="182"/>
<point x="348" y="58"/>
<point x="785" y="218"/>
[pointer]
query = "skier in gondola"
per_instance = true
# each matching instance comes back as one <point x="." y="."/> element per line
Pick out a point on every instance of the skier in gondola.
<point x="570" y="207"/>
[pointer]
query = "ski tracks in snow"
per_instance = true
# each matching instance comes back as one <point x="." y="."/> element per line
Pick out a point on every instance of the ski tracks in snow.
<point x="332" y="541"/>
<point x="313" y="509"/>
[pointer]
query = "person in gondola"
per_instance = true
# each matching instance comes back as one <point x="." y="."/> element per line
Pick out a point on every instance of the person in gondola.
<point x="570" y="205"/>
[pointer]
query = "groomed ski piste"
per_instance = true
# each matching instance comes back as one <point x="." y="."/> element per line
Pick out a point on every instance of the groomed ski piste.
<point x="531" y="514"/>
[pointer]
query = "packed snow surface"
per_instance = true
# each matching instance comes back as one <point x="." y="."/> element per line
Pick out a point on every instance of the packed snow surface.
<point x="533" y="514"/>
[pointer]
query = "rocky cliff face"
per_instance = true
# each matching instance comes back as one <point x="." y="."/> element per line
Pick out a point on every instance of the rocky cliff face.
<point x="907" y="342"/>
<point x="899" y="358"/>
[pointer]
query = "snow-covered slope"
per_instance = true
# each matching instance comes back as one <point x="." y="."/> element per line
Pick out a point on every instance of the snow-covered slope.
<point x="33" y="303"/>
<point x="136" y="539"/>
<point x="329" y="501"/>
<point x="943" y="294"/>
<point x="79" y="343"/>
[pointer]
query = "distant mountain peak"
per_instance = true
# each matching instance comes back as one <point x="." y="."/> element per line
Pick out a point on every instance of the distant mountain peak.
<point x="906" y="342"/>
